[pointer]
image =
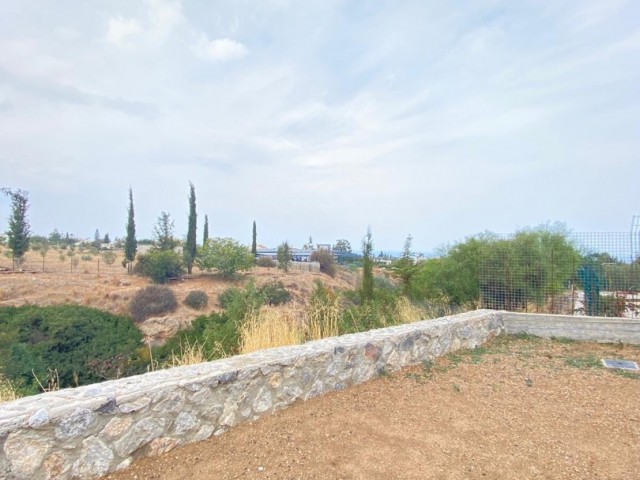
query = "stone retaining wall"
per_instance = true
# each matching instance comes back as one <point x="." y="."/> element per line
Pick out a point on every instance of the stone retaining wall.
<point x="88" y="431"/>
<point x="594" y="329"/>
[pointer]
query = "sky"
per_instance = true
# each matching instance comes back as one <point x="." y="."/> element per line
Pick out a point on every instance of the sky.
<point x="439" y="119"/>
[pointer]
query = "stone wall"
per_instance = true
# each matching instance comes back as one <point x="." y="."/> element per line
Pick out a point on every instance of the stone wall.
<point x="595" y="329"/>
<point x="88" y="431"/>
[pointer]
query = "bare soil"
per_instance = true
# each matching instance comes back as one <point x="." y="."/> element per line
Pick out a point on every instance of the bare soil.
<point x="514" y="409"/>
<point x="92" y="283"/>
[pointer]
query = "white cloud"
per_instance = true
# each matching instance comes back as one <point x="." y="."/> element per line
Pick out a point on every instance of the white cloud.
<point x="164" y="17"/>
<point x="221" y="49"/>
<point x="120" y="30"/>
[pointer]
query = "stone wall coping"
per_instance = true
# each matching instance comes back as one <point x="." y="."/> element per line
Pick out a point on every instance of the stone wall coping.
<point x="553" y="318"/>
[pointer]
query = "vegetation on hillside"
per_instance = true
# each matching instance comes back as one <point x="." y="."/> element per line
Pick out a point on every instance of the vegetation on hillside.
<point x="81" y="345"/>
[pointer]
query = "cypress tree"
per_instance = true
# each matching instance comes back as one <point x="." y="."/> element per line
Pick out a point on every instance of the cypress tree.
<point x="254" y="244"/>
<point x="205" y="234"/>
<point x="190" y="248"/>
<point x="130" y="243"/>
<point x="366" y="291"/>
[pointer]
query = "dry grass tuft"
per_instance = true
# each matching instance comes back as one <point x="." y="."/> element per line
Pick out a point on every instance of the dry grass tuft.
<point x="270" y="327"/>
<point x="407" y="312"/>
<point x="7" y="390"/>
<point x="321" y="318"/>
<point x="189" y="354"/>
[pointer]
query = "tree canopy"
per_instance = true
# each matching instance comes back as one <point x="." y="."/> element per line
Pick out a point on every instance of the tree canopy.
<point x="225" y="255"/>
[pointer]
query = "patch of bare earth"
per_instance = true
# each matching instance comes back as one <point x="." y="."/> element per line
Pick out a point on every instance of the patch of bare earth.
<point x="515" y="409"/>
<point x="92" y="283"/>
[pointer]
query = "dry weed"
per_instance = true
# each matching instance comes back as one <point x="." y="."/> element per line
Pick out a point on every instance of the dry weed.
<point x="407" y="312"/>
<point x="270" y="327"/>
<point x="192" y="354"/>
<point x="321" y="319"/>
<point x="7" y="390"/>
<point x="52" y="380"/>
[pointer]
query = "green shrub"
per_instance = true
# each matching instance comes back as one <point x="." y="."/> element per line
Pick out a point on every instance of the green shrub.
<point x="216" y="332"/>
<point x="197" y="299"/>
<point x="83" y="344"/>
<point x="152" y="301"/>
<point x="109" y="257"/>
<point x="239" y="301"/>
<point x="274" y="293"/>
<point x="86" y="258"/>
<point x="265" y="262"/>
<point x="225" y="255"/>
<point x="326" y="260"/>
<point x="160" y="265"/>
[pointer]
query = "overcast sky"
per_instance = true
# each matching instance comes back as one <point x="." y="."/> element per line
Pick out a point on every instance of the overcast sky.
<point x="439" y="119"/>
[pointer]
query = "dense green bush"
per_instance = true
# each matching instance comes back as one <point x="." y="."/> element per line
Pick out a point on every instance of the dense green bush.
<point x="239" y="301"/>
<point x="160" y="265"/>
<point x="217" y="333"/>
<point x="274" y="293"/>
<point x="83" y="345"/>
<point x="197" y="299"/>
<point x="152" y="301"/>
<point x="504" y="273"/>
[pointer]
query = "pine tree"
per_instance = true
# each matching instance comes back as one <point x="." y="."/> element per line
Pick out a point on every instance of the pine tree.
<point x="205" y="234"/>
<point x="163" y="233"/>
<point x="19" y="228"/>
<point x="366" y="290"/>
<point x="284" y="256"/>
<point x="254" y="244"/>
<point x="130" y="243"/>
<point x="190" y="247"/>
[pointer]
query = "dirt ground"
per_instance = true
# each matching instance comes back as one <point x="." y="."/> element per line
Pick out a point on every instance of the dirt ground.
<point x="515" y="409"/>
<point x="92" y="283"/>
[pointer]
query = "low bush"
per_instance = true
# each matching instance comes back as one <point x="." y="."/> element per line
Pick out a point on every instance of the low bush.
<point x="152" y="301"/>
<point x="239" y="301"/>
<point x="109" y="257"/>
<point x="197" y="299"/>
<point x="160" y="265"/>
<point x="215" y="335"/>
<point x="265" y="262"/>
<point x="274" y="293"/>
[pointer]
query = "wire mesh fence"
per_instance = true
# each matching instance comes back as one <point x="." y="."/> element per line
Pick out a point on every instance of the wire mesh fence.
<point x="594" y="274"/>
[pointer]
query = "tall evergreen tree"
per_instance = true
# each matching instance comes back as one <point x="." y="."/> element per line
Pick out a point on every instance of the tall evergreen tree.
<point x="19" y="229"/>
<point x="366" y="290"/>
<point x="130" y="243"/>
<point x="190" y="248"/>
<point x="205" y="234"/>
<point x="254" y="241"/>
